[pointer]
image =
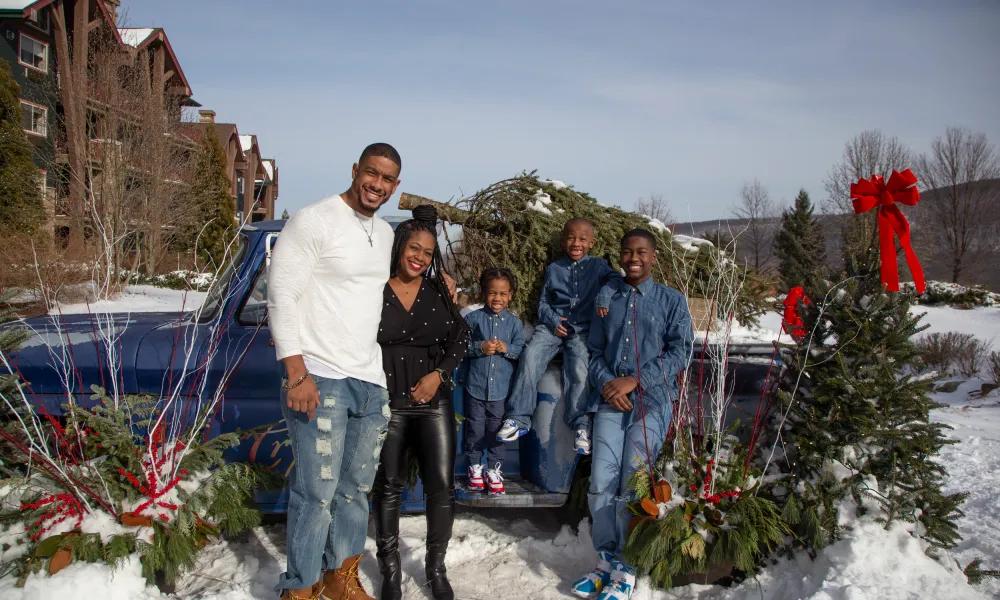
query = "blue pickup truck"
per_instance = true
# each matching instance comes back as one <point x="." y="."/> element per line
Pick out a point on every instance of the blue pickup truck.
<point x="231" y="328"/>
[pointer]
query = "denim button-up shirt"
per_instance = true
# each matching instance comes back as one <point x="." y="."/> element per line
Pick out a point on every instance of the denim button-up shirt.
<point x="651" y="322"/>
<point x="571" y="289"/>
<point x="489" y="377"/>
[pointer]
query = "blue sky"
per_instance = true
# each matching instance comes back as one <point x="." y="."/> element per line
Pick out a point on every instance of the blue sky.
<point x="619" y="99"/>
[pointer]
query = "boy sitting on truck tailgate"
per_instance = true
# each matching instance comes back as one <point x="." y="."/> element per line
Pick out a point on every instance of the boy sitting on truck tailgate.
<point x="565" y="308"/>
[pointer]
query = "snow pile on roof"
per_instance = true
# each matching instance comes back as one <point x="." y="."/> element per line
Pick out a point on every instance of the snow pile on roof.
<point x="246" y="141"/>
<point x="269" y="168"/>
<point x="539" y="203"/>
<point x="135" y="37"/>
<point x="559" y="185"/>
<point x="15" y="4"/>
<point x="691" y="244"/>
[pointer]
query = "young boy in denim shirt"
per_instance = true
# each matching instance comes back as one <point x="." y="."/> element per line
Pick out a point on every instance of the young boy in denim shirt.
<point x="637" y="352"/>
<point x="565" y="309"/>
<point x="496" y="342"/>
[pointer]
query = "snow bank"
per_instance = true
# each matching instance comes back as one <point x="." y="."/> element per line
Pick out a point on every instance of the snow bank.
<point x="140" y="298"/>
<point x="80" y="580"/>
<point x="870" y="564"/>
<point x="516" y="558"/>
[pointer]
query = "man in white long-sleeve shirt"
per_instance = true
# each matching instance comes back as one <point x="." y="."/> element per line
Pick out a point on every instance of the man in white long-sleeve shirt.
<point x="325" y="282"/>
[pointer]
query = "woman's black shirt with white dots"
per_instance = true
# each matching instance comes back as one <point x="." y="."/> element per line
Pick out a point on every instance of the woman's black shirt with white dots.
<point x="417" y="342"/>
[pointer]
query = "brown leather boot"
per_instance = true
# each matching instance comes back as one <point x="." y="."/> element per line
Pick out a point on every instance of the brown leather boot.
<point x="313" y="595"/>
<point x="343" y="583"/>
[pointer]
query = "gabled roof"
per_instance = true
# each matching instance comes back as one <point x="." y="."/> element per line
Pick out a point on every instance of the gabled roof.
<point x="23" y="8"/>
<point x="140" y="38"/>
<point x="22" y="5"/>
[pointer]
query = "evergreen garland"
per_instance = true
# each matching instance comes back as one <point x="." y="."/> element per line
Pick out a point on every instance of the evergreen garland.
<point x="711" y="519"/>
<point x="111" y="465"/>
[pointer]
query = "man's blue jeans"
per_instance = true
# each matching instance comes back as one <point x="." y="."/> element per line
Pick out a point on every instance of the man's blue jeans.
<point x="535" y="359"/>
<point x="336" y="457"/>
<point x="619" y="449"/>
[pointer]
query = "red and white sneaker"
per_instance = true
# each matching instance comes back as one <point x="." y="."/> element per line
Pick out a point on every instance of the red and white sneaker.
<point x="494" y="479"/>
<point x="476" y="478"/>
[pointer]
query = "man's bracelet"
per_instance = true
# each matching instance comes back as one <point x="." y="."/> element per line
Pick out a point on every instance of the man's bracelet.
<point x="287" y="386"/>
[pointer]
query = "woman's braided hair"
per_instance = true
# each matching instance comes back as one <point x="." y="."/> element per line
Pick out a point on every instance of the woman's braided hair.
<point x="425" y="219"/>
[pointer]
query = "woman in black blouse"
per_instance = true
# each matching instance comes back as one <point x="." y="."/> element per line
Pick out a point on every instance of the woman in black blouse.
<point x="423" y="338"/>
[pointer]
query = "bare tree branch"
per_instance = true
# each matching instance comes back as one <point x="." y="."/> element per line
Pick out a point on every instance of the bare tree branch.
<point x="870" y="153"/>
<point x="656" y="207"/>
<point x="960" y="209"/>
<point x="758" y="209"/>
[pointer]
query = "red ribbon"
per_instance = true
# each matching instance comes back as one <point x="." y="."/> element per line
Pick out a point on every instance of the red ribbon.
<point x="866" y="194"/>
<point x="792" y="322"/>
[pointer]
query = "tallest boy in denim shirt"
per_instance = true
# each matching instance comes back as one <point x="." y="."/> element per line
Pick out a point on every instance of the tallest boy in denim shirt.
<point x="565" y="309"/>
<point x="637" y="352"/>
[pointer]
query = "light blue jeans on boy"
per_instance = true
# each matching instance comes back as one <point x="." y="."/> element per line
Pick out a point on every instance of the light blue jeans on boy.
<point x="619" y="449"/>
<point x="336" y="457"/>
<point x="535" y="359"/>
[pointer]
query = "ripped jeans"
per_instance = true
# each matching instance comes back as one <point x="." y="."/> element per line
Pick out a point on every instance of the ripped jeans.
<point x="336" y="458"/>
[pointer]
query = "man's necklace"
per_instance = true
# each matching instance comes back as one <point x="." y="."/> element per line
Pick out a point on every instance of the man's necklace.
<point x="362" y="225"/>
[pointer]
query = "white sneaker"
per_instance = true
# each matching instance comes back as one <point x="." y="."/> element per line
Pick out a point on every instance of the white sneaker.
<point x="582" y="443"/>
<point x="476" y="478"/>
<point x="510" y="431"/>
<point x="494" y="481"/>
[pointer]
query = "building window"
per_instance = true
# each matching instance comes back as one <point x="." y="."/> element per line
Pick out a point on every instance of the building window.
<point x="43" y="184"/>
<point x="34" y="54"/>
<point x="39" y="19"/>
<point x="34" y="119"/>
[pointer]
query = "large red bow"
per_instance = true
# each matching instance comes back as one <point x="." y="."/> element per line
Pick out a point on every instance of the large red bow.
<point x="869" y="193"/>
<point x="792" y="322"/>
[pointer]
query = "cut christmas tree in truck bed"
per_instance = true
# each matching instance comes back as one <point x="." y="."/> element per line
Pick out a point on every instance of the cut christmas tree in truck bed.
<point x="517" y="223"/>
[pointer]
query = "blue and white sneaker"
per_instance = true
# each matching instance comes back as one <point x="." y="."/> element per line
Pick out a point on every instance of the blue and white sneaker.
<point x="582" y="443"/>
<point x="510" y="431"/>
<point x="622" y="583"/>
<point x="592" y="583"/>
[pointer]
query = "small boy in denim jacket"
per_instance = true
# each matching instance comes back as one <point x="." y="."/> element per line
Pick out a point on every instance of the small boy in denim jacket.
<point x="496" y="342"/>
<point x="565" y="309"/>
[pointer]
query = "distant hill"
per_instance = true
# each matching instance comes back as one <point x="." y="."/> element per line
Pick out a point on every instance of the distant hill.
<point x="984" y="271"/>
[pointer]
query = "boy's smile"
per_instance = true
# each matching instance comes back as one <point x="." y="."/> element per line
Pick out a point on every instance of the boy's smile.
<point x="578" y="239"/>
<point x="497" y="295"/>
<point x="637" y="258"/>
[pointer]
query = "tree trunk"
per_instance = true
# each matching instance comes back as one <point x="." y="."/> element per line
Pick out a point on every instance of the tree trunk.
<point x="73" y="91"/>
<point x="446" y="212"/>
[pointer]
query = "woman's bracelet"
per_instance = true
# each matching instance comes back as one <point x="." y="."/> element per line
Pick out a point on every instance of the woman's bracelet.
<point x="287" y="386"/>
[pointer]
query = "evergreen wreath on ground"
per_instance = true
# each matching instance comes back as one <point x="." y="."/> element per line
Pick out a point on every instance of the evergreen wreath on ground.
<point x="96" y="486"/>
<point x="517" y="223"/>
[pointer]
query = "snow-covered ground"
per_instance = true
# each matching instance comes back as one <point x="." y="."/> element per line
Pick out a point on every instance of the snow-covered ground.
<point x="530" y="554"/>
<point x="139" y="298"/>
